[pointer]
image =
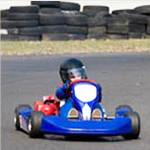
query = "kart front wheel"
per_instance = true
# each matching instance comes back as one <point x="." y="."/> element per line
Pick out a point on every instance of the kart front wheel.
<point x="135" y="125"/>
<point x="17" y="116"/>
<point x="123" y="109"/>
<point x="34" y="124"/>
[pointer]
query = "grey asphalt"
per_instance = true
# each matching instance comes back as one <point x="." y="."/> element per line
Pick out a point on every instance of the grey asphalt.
<point x="125" y="80"/>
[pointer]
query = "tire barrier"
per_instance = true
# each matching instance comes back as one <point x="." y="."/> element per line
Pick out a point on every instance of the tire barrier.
<point x="129" y="11"/>
<point x="62" y="37"/>
<point x="23" y="16"/>
<point x="49" y="11"/>
<point x="18" y="24"/>
<point x="19" y="38"/>
<point x="22" y="24"/>
<point x="55" y="20"/>
<point x="143" y="9"/>
<point x="28" y="31"/>
<point x="91" y="11"/>
<point x="24" y="9"/>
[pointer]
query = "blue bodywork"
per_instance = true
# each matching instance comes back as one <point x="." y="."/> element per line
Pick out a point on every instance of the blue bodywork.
<point x="60" y="126"/>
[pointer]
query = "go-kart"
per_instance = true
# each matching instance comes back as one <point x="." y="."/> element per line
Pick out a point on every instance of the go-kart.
<point x="45" y="118"/>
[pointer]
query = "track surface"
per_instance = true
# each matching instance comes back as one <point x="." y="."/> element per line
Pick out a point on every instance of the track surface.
<point x="124" y="78"/>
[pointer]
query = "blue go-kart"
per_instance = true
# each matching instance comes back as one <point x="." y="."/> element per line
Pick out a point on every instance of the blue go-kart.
<point x="36" y="123"/>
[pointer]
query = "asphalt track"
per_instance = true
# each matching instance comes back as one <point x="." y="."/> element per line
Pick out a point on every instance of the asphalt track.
<point x="125" y="80"/>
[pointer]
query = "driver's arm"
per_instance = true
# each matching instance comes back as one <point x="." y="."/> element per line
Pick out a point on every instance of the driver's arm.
<point x="100" y="93"/>
<point x="61" y="92"/>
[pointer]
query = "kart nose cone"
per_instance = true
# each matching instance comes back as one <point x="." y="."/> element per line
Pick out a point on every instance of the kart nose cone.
<point x="86" y="110"/>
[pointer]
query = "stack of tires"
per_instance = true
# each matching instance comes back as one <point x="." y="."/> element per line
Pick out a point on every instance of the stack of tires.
<point x="145" y="10"/>
<point x="96" y="21"/>
<point x="117" y="27"/>
<point x="55" y="20"/>
<point x="76" y="21"/>
<point x="148" y="28"/>
<point x="136" y="22"/>
<point x="61" y="20"/>
<point x="76" y="26"/>
<point x="4" y="18"/>
<point x="22" y="23"/>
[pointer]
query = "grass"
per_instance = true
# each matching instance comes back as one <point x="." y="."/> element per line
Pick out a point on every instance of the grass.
<point x="59" y="47"/>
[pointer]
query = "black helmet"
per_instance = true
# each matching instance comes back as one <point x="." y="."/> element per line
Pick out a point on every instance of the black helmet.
<point x="72" y="68"/>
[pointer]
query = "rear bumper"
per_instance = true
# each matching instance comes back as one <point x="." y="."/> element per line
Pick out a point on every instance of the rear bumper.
<point x="60" y="126"/>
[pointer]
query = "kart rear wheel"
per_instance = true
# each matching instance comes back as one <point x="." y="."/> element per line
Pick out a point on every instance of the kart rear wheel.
<point x="135" y="124"/>
<point x="34" y="124"/>
<point x="16" y="117"/>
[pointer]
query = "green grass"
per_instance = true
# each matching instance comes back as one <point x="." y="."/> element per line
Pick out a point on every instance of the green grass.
<point x="59" y="47"/>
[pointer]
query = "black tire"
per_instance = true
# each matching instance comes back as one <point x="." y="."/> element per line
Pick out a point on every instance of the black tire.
<point x="134" y="18"/>
<point x="55" y="37"/>
<point x="137" y="28"/>
<point x="100" y="36"/>
<point x="94" y="22"/>
<point x="50" y="11"/>
<point x="69" y="6"/>
<point x="101" y="14"/>
<point x="20" y="38"/>
<point x="143" y="9"/>
<point x="148" y="21"/>
<point x="136" y="35"/>
<point x="55" y="19"/>
<point x="34" y="124"/>
<point x="16" y="118"/>
<point x="24" y="9"/>
<point x="129" y="11"/>
<point x="52" y="4"/>
<point x="6" y="37"/>
<point x="29" y="38"/>
<point x="6" y="24"/>
<point x="117" y="29"/>
<point x="76" y="37"/>
<point x="116" y="20"/>
<point x="93" y="10"/>
<point x="135" y="121"/>
<point x="55" y="29"/>
<point x="4" y="19"/>
<point x="117" y="36"/>
<point x="148" y="29"/>
<point x="98" y="19"/>
<point x="64" y="29"/>
<point x="4" y="13"/>
<point x="76" y="20"/>
<point x="97" y="30"/>
<point x="13" y="31"/>
<point x="32" y="31"/>
<point x="23" y="16"/>
<point x="77" y="30"/>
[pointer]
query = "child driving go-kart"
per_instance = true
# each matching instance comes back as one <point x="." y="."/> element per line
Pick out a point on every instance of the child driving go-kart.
<point x="70" y="70"/>
<point x="82" y="114"/>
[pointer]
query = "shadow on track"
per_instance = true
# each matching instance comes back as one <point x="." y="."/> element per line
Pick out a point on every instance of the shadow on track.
<point x="84" y="138"/>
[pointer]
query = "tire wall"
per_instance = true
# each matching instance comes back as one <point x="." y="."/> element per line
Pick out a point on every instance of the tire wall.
<point x="62" y="21"/>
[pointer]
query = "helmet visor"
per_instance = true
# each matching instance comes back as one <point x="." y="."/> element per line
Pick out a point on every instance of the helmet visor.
<point x="78" y="73"/>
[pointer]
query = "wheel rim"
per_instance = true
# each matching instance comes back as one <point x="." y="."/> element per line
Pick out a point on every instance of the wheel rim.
<point x="15" y="120"/>
<point x="29" y="126"/>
